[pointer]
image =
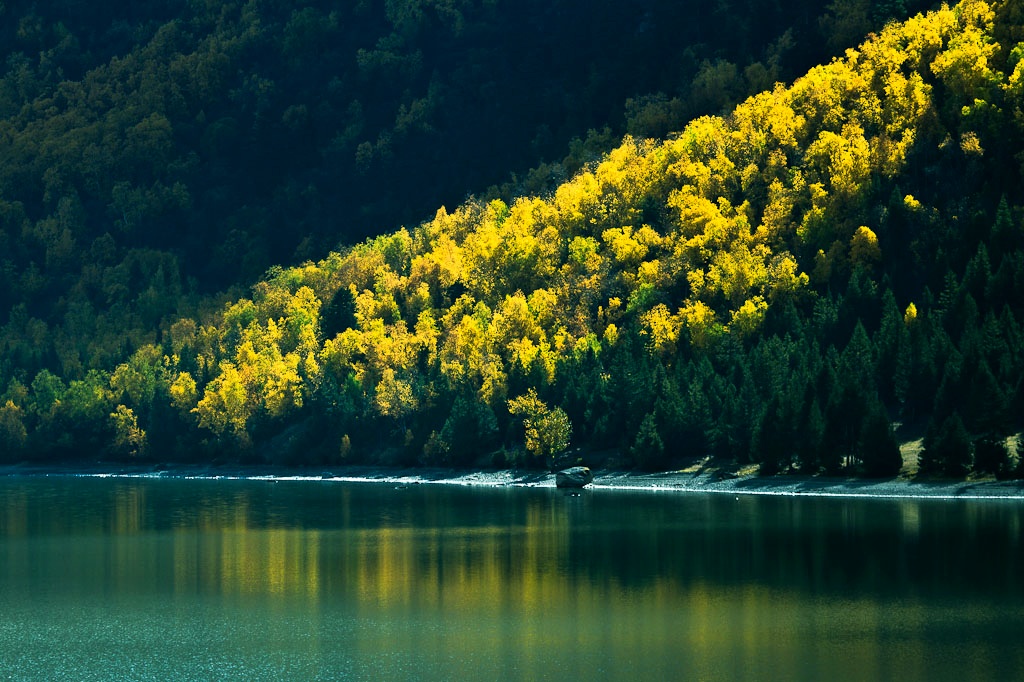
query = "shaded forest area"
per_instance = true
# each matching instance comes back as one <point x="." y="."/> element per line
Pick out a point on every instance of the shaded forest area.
<point x="212" y="140"/>
<point x="775" y="284"/>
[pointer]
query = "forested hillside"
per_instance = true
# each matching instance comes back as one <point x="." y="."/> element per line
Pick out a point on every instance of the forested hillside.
<point x="777" y="284"/>
<point x="212" y="140"/>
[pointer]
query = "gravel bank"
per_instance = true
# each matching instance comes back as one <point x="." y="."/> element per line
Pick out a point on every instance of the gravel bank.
<point x="677" y="482"/>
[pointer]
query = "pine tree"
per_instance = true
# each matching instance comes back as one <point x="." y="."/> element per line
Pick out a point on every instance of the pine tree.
<point x="890" y="342"/>
<point x="743" y="413"/>
<point x="950" y="390"/>
<point x="834" y="444"/>
<point x="1005" y="237"/>
<point x="470" y="431"/>
<point x="977" y="276"/>
<point x="991" y="455"/>
<point x="1006" y="286"/>
<point x="856" y="363"/>
<point x="773" y="439"/>
<point x="947" y="449"/>
<point x="879" y="450"/>
<point x="812" y="438"/>
<point x="985" y="405"/>
<point x="648" y="449"/>
<point x="860" y="303"/>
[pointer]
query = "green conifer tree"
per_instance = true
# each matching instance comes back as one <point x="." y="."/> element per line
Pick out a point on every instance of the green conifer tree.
<point x="811" y="440"/>
<point x="992" y="456"/>
<point x="947" y="449"/>
<point x="773" y="439"/>
<point x="879" y="451"/>
<point x="648" y="451"/>
<point x="1005" y="235"/>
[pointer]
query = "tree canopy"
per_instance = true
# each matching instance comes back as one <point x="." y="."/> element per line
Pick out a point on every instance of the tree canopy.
<point x="775" y="282"/>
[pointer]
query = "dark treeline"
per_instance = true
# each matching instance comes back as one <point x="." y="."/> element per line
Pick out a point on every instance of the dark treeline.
<point x="776" y="285"/>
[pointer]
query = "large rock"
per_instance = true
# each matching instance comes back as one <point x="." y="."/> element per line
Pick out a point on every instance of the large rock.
<point x="574" y="477"/>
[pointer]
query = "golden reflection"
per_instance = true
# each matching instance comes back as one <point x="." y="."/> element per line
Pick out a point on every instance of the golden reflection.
<point x="272" y="562"/>
<point x="910" y="515"/>
<point x="216" y="547"/>
<point x="15" y="514"/>
<point x="277" y="560"/>
<point x="127" y="510"/>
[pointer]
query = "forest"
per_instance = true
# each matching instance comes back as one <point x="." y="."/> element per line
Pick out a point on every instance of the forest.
<point x="479" y="233"/>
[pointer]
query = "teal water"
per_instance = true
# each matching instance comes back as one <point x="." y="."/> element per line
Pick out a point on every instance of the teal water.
<point x="168" y="579"/>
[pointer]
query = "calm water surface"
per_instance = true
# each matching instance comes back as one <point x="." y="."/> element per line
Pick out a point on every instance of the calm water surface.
<point x="161" y="579"/>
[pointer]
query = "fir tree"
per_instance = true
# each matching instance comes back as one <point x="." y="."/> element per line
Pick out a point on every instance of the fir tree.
<point x="648" y="449"/>
<point x="991" y="455"/>
<point x="985" y="404"/>
<point x="773" y="439"/>
<point x="890" y="342"/>
<point x="947" y="449"/>
<point x="811" y="440"/>
<point x="879" y="451"/>
<point x="1005" y="236"/>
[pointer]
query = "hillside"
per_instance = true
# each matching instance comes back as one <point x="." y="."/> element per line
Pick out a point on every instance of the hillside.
<point x="778" y="285"/>
<point x="209" y="141"/>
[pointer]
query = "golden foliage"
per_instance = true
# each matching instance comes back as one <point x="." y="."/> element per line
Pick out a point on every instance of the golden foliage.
<point x="128" y="437"/>
<point x="716" y="223"/>
<point x="864" y="249"/>
<point x="547" y="431"/>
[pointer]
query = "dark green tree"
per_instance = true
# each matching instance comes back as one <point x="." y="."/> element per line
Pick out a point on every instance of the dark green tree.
<point x="812" y="439"/>
<point x="773" y="439"/>
<point x="985" y="403"/>
<point x="891" y="343"/>
<point x="470" y="431"/>
<point x="947" y="449"/>
<point x="648" y="450"/>
<point x="1006" y="236"/>
<point x="879" y="451"/>
<point x="992" y="456"/>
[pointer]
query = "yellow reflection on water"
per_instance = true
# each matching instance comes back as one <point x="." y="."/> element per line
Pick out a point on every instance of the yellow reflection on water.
<point x="127" y="510"/>
<point x="217" y="549"/>
<point x="15" y="514"/>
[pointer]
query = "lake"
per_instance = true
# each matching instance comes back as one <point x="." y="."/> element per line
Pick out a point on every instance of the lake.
<point x="172" y="579"/>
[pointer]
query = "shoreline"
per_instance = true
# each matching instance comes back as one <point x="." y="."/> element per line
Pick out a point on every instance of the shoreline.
<point x="679" y="482"/>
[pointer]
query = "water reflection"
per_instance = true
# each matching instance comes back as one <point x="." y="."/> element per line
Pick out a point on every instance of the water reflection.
<point x="428" y="544"/>
<point x="518" y="584"/>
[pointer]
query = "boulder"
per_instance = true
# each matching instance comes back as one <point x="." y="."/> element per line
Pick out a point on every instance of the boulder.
<point x="574" y="477"/>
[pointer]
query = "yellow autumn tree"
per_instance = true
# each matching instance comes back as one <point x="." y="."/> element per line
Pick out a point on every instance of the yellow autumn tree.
<point x="547" y="431"/>
<point x="864" y="249"/>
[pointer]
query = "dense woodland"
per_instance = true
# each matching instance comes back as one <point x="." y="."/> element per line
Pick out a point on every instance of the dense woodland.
<point x="779" y="281"/>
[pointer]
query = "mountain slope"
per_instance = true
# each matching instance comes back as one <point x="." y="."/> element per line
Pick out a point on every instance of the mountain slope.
<point x="773" y="286"/>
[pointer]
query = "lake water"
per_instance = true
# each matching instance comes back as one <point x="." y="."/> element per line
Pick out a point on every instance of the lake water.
<point x="169" y="579"/>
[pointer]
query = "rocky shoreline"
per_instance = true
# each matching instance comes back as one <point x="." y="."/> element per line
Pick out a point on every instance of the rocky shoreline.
<point x="685" y="481"/>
